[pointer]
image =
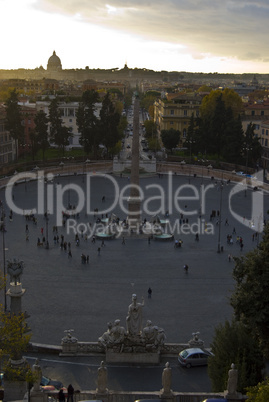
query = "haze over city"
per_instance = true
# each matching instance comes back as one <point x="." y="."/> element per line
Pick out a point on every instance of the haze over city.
<point x="225" y="36"/>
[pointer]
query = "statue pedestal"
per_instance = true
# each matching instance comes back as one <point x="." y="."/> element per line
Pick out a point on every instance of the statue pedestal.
<point x="15" y="292"/>
<point x="232" y="397"/>
<point x="135" y="357"/>
<point x="38" y="396"/>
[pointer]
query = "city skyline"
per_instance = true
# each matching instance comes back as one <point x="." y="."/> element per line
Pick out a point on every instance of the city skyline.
<point x="174" y="36"/>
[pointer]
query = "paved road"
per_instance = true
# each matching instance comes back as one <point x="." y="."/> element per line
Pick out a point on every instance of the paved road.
<point x="82" y="374"/>
<point x="62" y="293"/>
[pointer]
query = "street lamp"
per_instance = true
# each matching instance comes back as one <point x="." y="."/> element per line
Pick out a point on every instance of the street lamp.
<point x="220" y="208"/>
<point x="4" y="255"/>
<point x="190" y="141"/>
<point x="85" y="167"/>
<point x="247" y="149"/>
<point x="46" y="215"/>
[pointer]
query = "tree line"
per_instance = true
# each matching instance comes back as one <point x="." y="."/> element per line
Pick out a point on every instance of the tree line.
<point x="218" y="131"/>
<point x="107" y="130"/>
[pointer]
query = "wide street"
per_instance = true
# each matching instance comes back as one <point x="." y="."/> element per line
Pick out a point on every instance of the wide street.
<point x="62" y="293"/>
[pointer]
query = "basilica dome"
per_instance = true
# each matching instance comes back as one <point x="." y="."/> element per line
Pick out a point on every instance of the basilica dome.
<point x="54" y="63"/>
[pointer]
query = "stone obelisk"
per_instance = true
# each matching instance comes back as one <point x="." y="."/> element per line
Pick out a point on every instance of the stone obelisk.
<point x="134" y="200"/>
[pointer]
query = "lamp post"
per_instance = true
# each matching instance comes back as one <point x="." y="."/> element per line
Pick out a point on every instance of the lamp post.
<point x="190" y="141"/>
<point x="221" y="188"/>
<point x="4" y="255"/>
<point x="47" y="217"/>
<point x="247" y="149"/>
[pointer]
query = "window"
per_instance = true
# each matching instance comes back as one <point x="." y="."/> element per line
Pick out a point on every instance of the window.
<point x="171" y="123"/>
<point x="262" y="112"/>
<point x="263" y="131"/>
<point x="253" y="113"/>
<point x="185" y="112"/>
<point x="257" y="126"/>
<point x="70" y="120"/>
<point x="172" y="111"/>
<point x="184" y="133"/>
<point x="266" y="132"/>
<point x="266" y="142"/>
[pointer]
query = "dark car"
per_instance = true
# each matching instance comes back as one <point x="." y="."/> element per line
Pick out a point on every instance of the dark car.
<point x="45" y="381"/>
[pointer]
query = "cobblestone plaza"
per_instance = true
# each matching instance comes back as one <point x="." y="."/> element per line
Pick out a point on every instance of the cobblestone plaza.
<point x="63" y="293"/>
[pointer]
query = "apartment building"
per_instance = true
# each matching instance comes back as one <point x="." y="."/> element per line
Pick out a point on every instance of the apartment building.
<point x="258" y="113"/>
<point x="7" y="144"/>
<point x="175" y="111"/>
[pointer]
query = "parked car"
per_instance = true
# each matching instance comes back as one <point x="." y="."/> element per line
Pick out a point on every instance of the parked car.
<point x="45" y="381"/>
<point x="215" y="400"/>
<point x="193" y="357"/>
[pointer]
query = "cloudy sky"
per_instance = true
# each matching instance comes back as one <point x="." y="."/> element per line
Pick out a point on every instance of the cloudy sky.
<point x="173" y="35"/>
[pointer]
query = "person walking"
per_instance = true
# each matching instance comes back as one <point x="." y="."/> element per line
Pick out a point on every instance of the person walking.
<point x="99" y="250"/>
<point x="186" y="268"/>
<point x="149" y="293"/>
<point x="123" y="240"/>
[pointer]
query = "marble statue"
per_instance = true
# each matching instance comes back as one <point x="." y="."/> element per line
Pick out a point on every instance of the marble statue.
<point x="232" y="380"/>
<point x="153" y="334"/>
<point x="106" y="338"/>
<point x="37" y="375"/>
<point x="15" y="270"/>
<point x="167" y="379"/>
<point x="117" y="333"/>
<point x="102" y="379"/>
<point x="134" y="317"/>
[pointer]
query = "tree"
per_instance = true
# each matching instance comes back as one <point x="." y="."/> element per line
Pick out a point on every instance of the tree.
<point x="41" y="131"/>
<point x="233" y="139"/>
<point x="259" y="393"/>
<point x="109" y="121"/>
<point x="150" y="129"/>
<point x="228" y="96"/>
<point x="250" y="299"/>
<point x="87" y="122"/>
<point x="13" y="337"/>
<point x="58" y="133"/>
<point x="13" y="119"/>
<point x="232" y="343"/>
<point x="170" y="138"/>
<point x="252" y="147"/>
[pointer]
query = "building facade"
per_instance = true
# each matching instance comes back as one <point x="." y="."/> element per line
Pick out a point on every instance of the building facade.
<point x="7" y="144"/>
<point x="175" y="111"/>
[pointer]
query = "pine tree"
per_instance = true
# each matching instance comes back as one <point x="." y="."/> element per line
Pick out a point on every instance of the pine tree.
<point x="14" y="119"/>
<point x="87" y="122"/>
<point x="250" y="299"/>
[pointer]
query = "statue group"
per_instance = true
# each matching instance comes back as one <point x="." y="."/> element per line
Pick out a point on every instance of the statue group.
<point x="134" y="338"/>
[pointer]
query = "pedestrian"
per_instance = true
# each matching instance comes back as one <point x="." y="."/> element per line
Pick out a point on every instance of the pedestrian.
<point x="229" y="257"/>
<point x="99" y="250"/>
<point x="123" y="240"/>
<point x="69" y="254"/>
<point x="149" y="240"/>
<point x="87" y="259"/>
<point x="103" y="243"/>
<point x="149" y="293"/>
<point x="70" y="393"/>
<point x="61" y="396"/>
<point x="186" y="268"/>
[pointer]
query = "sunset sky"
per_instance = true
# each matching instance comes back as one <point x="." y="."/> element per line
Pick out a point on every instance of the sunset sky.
<point x="172" y="35"/>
